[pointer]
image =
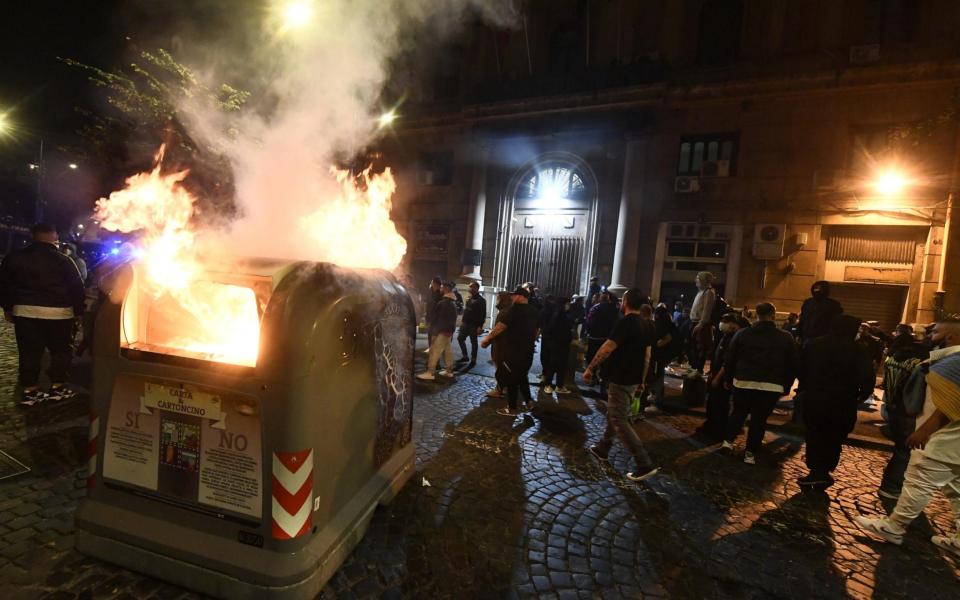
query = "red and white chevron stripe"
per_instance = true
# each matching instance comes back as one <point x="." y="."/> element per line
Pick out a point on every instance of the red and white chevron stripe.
<point x="92" y="450"/>
<point x="292" y="493"/>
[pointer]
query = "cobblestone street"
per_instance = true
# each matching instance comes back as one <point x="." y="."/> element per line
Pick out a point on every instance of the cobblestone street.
<point x="519" y="509"/>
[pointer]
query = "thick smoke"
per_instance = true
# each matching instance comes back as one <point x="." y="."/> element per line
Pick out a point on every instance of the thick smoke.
<point x="324" y="82"/>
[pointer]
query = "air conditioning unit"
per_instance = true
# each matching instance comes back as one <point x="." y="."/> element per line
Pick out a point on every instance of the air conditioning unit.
<point x="864" y="55"/>
<point x="768" y="241"/>
<point x="686" y="184"/>
<point x="715" y="168"/>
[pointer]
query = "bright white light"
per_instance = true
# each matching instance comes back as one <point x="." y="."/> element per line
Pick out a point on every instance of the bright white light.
<point x="890" y="183"/>
<point x="552" y="192"/>
<point x="73" y="166"/>
<point x="80" y="226"/>
<point x="33" y="166"/>
<point x="297" y="14"/>
<point x="4" y="123"/>
<point x="387" y="118"/>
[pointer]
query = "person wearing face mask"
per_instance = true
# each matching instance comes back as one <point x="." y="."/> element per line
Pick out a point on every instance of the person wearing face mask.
<point x="701" y="319"/>
<point x="718" y="394"/>
<point x="836" y="375"/>
<point x="817" y="312"/>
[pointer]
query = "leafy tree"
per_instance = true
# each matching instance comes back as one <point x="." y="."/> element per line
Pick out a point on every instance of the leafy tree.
<point x="145" y="101"/>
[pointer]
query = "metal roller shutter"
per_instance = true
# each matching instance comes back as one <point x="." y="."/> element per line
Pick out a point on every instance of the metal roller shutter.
<point x="883" y="303"/>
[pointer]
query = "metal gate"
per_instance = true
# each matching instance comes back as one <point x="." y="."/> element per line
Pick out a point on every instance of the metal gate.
<point x="549" y="252"/>
<point x="870" y="302"/>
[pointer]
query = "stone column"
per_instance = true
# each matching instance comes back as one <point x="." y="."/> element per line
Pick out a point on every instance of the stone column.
<point x="624" y="271"/>
<point x="473" y="241"/>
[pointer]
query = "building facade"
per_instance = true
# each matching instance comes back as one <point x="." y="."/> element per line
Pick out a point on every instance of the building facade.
<point x="646" y="141"/>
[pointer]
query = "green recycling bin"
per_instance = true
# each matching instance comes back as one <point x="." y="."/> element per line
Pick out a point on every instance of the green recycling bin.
<point x="245" y="459"/>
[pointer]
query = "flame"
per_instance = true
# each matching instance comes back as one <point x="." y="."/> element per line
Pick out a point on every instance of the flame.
<point x="191" y="313"/>
<point x="216" y="320"/>
<point x="354" y="229"/>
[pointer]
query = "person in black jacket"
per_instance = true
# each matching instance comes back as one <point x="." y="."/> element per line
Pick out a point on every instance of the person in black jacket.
<point x="41" y="293"/>
<point x="761" y="365"/>
<point x="836" y="375"/>
<point x="441" y="330"/>
<point x="718" y="395"/>
<point x="474" y="314"/>
<point x="556" y="334"/>
<point x="600" y="321"/>
<point x="817" y="312"/>
<point x="434" y="293"/>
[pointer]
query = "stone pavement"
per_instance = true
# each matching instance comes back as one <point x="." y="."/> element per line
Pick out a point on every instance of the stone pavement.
<point x="517" y="508"/>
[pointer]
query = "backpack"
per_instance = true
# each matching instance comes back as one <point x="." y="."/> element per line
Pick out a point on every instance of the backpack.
<point x="720" y="308"/>
<point x="459" y="301"/>
<point x="914" y="392"/>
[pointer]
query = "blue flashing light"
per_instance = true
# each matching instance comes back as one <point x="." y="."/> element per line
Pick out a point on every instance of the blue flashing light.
<point x="117" y="241"/>
<point x="114" y="251"/>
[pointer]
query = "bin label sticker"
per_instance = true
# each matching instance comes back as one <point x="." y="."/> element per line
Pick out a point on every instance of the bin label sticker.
<point x="292" y="493"/>
<point x="175" y="440"/>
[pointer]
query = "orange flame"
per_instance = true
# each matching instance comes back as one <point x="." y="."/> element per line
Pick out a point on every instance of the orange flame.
<point x="189" y="313"/>
<point x="355" y="229"/>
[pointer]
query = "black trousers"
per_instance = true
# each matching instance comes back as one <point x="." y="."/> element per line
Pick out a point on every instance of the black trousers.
<point x="36" y="335"/>
<point x="513" y="374"/>
<point x="828" y="422"/>
<point x="758" y="404"/>
<point x="555" y="356"/>
<point x="901" y="426"/>
<point x="718" y="411"/>
<point x="468" y="331"/>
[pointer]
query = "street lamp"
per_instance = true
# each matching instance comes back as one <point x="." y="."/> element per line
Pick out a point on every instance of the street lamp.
<point x="890" y="183"/>
<point x="387" y="118"/>
<point x="73" y="166"/>
<point x="296" y="14"/>
<point x="4" y="123"/>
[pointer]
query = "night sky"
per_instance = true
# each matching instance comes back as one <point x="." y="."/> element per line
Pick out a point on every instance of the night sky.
<point x="40" y="94"/>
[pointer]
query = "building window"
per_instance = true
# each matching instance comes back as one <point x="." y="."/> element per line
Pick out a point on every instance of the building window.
<point x="708" y="155"/>
<point x="435" y="168"/>
<point x="552" y="183"/>
<point x="719" y="32"/>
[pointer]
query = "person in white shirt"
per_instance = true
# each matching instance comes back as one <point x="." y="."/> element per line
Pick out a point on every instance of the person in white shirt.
<point x="701" y="332"/>
<point x="935" y="456"/>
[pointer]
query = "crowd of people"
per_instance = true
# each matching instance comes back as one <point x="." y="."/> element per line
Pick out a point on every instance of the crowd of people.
<point x="746" y="361"/>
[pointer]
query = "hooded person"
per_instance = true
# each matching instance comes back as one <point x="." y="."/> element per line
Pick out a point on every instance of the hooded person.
<point x="836" y="375"/>
<point x="817" y="312"/>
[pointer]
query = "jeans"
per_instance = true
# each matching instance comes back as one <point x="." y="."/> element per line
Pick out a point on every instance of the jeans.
<point x="619" y="399"/>
<point x="440" y="346"/>
<point x="468" y="331"/>
<point x="901" y="427"/>
<point x="758" y="404"/>
<point x="925" y="476"/>
<point x="35" y="335"/>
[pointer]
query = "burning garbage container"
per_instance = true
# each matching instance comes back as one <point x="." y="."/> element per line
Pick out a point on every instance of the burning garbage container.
<point x="245" y="425"/>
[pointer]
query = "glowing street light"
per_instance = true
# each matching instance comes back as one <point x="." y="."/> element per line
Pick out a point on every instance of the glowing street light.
<point x="73" y="166"/>
<point x="4" y="123"/>
<point x="387" y="118"/>
<point x="296" y="14"/>
<point x="890" y="183"/>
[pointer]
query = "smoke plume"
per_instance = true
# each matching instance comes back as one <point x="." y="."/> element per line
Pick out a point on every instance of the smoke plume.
<point x="324" y="84"/>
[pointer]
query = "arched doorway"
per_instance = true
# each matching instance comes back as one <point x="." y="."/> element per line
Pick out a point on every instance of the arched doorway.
<point x="548" y="225"/>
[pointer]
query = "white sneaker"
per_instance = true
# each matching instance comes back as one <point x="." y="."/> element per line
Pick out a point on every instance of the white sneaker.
<point x="446" y="373"/>
<point x="548" y="389"/>
<point x="562" y="390"/>
<point x="426" y="376"/>
<point x="950" y="544"/>
<point x="749" y="458"/>
<point x="881" y="528"/>
<point x="726" y="445"/>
